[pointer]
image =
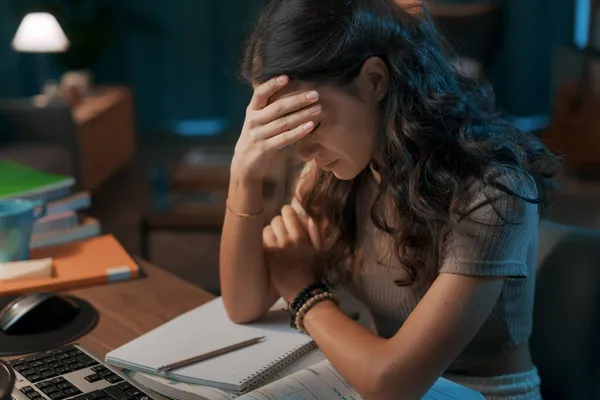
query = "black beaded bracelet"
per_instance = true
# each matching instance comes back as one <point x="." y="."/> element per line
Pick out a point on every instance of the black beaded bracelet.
<point x="297" y="320"/>
<point x="301" y="301"/>
<point x="305" y="294"/>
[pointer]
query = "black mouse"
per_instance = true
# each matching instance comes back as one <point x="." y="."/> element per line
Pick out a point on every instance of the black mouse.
<point x="7" y="381"/>
<point x="37" y="313"/>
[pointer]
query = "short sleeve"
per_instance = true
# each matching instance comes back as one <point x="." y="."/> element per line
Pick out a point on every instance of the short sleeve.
<point x="493" y="233"/>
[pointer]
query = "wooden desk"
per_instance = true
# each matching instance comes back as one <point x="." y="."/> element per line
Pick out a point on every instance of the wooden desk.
<point x="130" y="309"/>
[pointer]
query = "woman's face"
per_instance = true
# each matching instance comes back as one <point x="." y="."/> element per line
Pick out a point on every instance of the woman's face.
<point x="345" y="131"/>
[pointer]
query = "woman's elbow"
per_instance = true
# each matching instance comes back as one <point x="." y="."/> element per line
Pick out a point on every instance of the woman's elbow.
<point x="386" y="384"/>
<point x="237" y="313"/>
<point x="240" y="315"/>
<point x="241" y="318"/>
<point x="375" y="384"/>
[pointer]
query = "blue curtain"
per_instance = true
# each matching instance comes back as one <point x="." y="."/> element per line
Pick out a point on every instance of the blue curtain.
<point x="187" y="67"/>
<point x="522" y="74"/>
<point x="10" y="78"/>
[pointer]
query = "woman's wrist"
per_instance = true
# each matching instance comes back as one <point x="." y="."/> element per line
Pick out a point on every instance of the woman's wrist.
<point x="319" y="311"/>
<point x="306" y="299"/>
<point x="321" y="307"/>
<point x="245" y="175"/>
<point x="245" y="195"/>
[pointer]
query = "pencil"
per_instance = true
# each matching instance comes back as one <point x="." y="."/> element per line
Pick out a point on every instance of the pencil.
<point x="206" y="356"/>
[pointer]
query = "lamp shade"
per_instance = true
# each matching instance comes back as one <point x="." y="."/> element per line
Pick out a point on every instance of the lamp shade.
<point x="40" y="33"/>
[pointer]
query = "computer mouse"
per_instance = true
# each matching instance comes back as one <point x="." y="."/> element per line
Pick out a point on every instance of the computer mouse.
<point x="7" y="381"/>
<point x="37" y="313"/>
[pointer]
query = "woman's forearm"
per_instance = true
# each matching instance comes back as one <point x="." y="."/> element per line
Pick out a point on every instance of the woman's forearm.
<point x="244" y="279"/>
<point x="354" y="351"/>
<point x="363" y="359"/>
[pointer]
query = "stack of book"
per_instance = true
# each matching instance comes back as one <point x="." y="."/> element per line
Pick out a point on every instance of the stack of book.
<point x="64" y="220"/>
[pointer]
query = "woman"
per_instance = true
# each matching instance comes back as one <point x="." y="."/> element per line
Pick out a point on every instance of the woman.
<point x="415" y="195"/>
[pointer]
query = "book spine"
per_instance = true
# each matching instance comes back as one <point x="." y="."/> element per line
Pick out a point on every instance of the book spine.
<point x="45" y="286"/>
<point x="75" y="203"/>
<point x="55" y="223"/>
<point x="50" y="195"/>
<point x="71" y="235"/>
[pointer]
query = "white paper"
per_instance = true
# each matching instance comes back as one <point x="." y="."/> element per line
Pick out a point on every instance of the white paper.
<point x="30" y="269"/>
<point x="323" y="382"/>
<point x="205" y="329"/>
<point x="185" y="391"/>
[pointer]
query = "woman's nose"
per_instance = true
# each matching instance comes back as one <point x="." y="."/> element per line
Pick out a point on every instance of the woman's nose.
<point x="307" y="149"/>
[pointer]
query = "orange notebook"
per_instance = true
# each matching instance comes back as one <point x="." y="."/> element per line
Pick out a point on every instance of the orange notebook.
<point x="97" y="260"/>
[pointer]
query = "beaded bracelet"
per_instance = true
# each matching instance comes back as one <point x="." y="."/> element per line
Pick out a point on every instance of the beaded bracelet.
<point x="303" y="300"/>
<point x="313" y="301"/>
<point x="305" y="294"/>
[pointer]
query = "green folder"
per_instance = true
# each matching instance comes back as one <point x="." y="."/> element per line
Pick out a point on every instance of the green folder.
<point x="18" y="181"/>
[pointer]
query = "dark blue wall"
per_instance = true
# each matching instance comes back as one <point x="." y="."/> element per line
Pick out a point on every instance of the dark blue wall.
<point x="10" y="84"/>
<point x="183" y="63"/>
<point x="523" y="72"/>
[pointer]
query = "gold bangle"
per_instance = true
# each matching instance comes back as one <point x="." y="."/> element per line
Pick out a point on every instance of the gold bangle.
<point x="242" y="215"/>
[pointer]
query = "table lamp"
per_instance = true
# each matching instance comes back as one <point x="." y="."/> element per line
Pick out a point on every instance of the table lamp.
<point x="40" y="33"/>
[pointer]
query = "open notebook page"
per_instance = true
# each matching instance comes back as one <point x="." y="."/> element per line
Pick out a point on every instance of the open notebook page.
<point x="323" y="382"/>
<point x="185" y="391"/>
<point x="207" y="328"/>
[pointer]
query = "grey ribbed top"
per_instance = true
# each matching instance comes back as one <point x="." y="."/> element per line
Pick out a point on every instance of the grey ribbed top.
<point x="493" y="248"/>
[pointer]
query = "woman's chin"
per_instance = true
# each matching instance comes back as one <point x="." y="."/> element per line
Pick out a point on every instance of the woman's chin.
<point x="340" y="171"/>
<point x="344" y="175"/>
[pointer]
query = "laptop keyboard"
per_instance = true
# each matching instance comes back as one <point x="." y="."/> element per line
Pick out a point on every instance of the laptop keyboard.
<point x="70" y="373"/>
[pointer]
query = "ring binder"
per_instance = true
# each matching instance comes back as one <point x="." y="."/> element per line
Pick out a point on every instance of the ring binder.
<point x="263" y="374"/>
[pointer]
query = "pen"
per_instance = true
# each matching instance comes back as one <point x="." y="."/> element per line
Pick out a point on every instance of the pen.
<point x="206" y="356"/>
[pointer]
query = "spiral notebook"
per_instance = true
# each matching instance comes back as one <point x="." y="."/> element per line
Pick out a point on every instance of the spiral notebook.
<point x="207" y="328"/>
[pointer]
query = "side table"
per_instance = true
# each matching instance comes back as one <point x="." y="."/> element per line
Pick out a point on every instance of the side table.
<point x="105" y="134"/>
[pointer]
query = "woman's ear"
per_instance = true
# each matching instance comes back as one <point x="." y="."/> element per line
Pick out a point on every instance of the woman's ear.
<point x="373" y="80"/>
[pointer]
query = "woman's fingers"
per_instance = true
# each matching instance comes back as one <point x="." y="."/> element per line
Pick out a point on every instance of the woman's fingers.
<point x="263" y="92"/>
<point x="286" y="106"/>
<point x="269" y="238"/>
<point x="292" y="224"/>
<point x="288" y="122"/>
<point x="285" y="139"/>
<point x="279" y="229"/>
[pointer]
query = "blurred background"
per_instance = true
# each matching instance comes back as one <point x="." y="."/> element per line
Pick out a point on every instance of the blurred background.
<point x="140" y="102"/>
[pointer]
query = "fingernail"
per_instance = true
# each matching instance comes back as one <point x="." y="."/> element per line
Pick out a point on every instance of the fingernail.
<point x="315" y="110"/>
<point x="312" y="95"/>
<point x="281" y="80"/>
<point x="308" y="126"/>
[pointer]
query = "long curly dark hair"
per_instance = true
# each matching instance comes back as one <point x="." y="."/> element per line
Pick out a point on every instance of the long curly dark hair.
<point x="438" y="128"/>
